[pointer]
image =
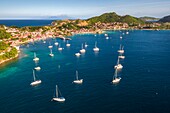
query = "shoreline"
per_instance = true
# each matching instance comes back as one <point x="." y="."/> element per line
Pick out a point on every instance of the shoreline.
<point x="4" y="61"/>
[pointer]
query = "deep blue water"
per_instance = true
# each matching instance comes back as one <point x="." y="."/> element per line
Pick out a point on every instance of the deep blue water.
<point x="22" y="23"/>
<point x="144" y="87"/>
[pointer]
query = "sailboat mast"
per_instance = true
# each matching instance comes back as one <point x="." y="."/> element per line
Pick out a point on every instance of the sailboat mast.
<point x="77" y="75"/>
<point x="56" y="91"/>
<point x="118" y="61"/>
<point x="82" y="46"/>
<point x="34" y="55"/>
<point x="51" y="51"/>
<point x="33" y="75"/>
<point x="116" y="73"/>
<point x="95" y="44"/>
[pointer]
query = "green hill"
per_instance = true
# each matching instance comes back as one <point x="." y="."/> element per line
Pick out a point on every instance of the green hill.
<point x="113" y="17"/>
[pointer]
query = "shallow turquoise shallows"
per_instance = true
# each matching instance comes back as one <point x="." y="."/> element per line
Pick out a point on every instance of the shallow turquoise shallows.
<point x="144" y="87"/>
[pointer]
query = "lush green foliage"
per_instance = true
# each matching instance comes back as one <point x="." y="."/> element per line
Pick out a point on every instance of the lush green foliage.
<point x="4" y="35"/>
<point x="113" y="17"/>
<point x="3" y="46"/>
<point x="12" y="53"/>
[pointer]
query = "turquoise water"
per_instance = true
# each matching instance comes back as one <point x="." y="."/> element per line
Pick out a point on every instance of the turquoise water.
<point x="144" y="87"/>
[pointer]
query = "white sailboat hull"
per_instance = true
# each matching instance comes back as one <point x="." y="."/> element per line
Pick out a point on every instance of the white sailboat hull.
<point x="60" y="49"/>
<point x="68" y="45"/>
<point x="78" y="81"/>
<point x="36" y="82"/>
<point x="122" y="57"/>
<point x="82" y="51"/>
<point x="36" y="59"/>
<point x="59" y="99"/>
<point x="50" y="46"/>
<point x="119" y="66"/>
<point x="37" y="68"/>
<point x="95" y="49"/>
<point x="77" y="54"/>
<point x="56" y="43"/>
<point x="116" y="80"/>
<point x="120" y="51"/>
<point x="51" y="54"/>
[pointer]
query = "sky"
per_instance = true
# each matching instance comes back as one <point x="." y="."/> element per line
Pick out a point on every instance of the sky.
<point x="82" y="9"/>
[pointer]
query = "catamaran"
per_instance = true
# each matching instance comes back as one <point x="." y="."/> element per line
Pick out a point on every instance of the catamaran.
<point x="121" y="51"/>
<point x="35" y="57"/>
<point x="82" y="49"/>
<point x="115" y="78"/>
<point x="51" y="52"/>
<point x="118" y="65"/>
<point x="35" y="82"/>
<point x="77" y="81"/>
<point x="57" y="98"/>
<point x="95" y="49"/>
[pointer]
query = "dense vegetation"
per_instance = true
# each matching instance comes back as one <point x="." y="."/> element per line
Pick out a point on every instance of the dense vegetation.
<point x="3" y="46"/>
<point x="4" y="34"/>
<point x="5" y="54"/>
<point x="113" y="17"/>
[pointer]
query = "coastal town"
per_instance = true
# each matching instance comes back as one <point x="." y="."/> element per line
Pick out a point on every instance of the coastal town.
<point x="14" y="36"/>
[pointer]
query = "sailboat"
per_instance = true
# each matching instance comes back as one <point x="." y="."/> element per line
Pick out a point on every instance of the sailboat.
<point x="107" y="37"/>
<point x="60" y="48"/>
<point x="51" y="53"/>
<point x="37" y="67"/>
<point x="57" y="98"/>
<point x="35" y="57"/>
<point x="95" y="49"/>
<point x="85" y="44"/>
<point x="35" y="82"/>
<point x="56" y="43"/>
<point x="121" y="51"/>
<point x="115" y="78"/>
<point x="68" y="45"/>
<point x="77" y="54"/>
<point x="82" y="49"/>
<point x="50" y="46"/>
<point x="118" y="65"/>
<point x="77" y="81"/>
<point x="122" y="57"/>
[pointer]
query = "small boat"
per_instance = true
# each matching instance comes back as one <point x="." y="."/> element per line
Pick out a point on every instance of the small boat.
<point x="77" y="54"/>
<point x="60" y="48"/>
<point x="56" y="97"/>
<point x="37" y="68"/>
<point x="115" y="78"/>
<point x="121" y="51"/>
<point x="35" y="57"/>
<point x="50" y="46"/>
<point x="121" y="37"/>
<point x="122" y="57"/>
<point x="35" y="82"/>
<point x="107" y="37"/>
<point x="127" y="32"/>
<point x="77" y="81"/>
<point x="95" y="49"/>
<point x="85" y="44"/>
<point x="82" y="50"/>
<point x="51" y="53"/>
<point x="105" y="34"/>
<point x="118" y="65"/>
<point x="68" y="45"/>
<point x="56" y="43"/>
